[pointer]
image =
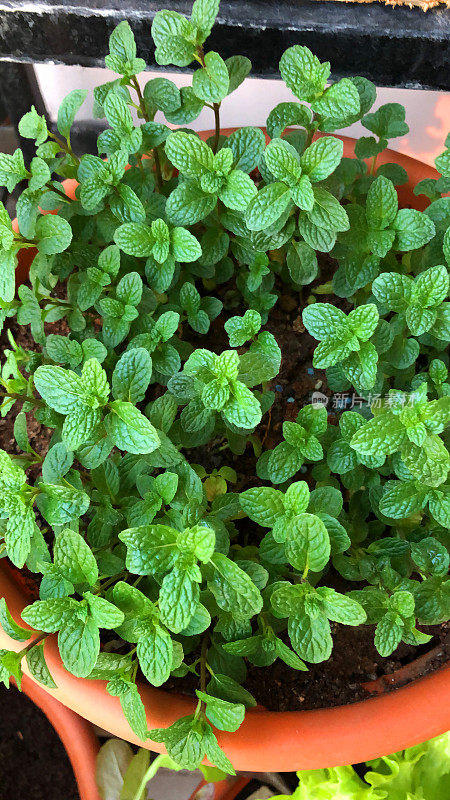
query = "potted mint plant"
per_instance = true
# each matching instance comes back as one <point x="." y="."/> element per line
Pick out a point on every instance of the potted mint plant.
<point x="190" y="511"/>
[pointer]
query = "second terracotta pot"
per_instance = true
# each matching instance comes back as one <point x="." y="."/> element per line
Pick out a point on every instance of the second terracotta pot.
<point x="76" y="734"/>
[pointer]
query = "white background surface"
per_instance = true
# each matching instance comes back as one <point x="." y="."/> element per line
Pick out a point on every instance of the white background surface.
<point x="427" y="113"/>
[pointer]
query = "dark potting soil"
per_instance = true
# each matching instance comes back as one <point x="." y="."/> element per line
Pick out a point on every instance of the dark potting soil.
<point x="33" y="762"/>
<point x="354" y="660"/>
<point x="345" y="678"/>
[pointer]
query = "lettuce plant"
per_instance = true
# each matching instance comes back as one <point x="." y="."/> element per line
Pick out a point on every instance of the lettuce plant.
<point x="418" y="773"/>
<point x="175" y="525"/>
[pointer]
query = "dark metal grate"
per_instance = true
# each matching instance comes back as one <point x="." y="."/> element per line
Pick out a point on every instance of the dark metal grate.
<point x="392" y="46"/>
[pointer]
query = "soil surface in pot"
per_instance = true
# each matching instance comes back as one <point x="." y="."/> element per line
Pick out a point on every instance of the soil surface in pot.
<point x="354" y="660"/>
<point x="33" y="762"/>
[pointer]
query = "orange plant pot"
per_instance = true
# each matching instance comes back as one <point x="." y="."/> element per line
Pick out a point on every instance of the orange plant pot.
<point x="76" y="734"/>
<point x="268" y="740"/>
<point x="223" y="790"/>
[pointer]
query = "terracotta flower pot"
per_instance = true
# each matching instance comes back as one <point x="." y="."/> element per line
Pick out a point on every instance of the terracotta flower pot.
<point x="76" y="734"/>
<point x="224" y="790"/>
<point x="267" y="740"/>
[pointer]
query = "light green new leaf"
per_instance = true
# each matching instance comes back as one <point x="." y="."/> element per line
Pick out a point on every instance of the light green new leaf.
<point x="178" y="597"/>
<point x="129" y="429"/>
<point x="10" y="627"/>
<point x="154" y="651"/>
<point x="233" y="589"/>
<point x="74" y="558"/>
<point x="303" y="73"/>
<point x="322" y="157"/>
<point x="267" y="206"/>
<point x="132" y="375"/>
<point x="211" y="82"/>
<point x="68" y="109"/>
<point x="38" y="666"/>
<point x="79" y="646"/>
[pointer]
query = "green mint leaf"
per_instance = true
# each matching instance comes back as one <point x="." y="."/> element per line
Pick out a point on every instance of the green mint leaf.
<point x="188" y="204"/>
<point x="381" y="203"/>
<point x="301" y="262"/>
<point x="10" y="665"/>
<point x="288" y="656"/>
<point x="10" y="627"/>
<point x="338" y="103"/>
<point x="241" y="329"/>
<point x="321" y="158"/>
<point x="129" y="429"/>
<point x="413" y="229"/>
<point x="388" y="633"/>
<point x="179" y="596"/>
<point x="183" y="741"/>
<point x="132" y="375"/>
<point x="233" y="589"/>
<point x="262" y="504"/>
<point x="189" y="109"/>
<point x="79" y="646"/>
<point x="105" y="614"/>
<point x="38" y="667"/>
<point x="132" y="705"/>
<point x="74" y="558"/>
<point x="283" y="161"/>
<point x="341" y="608"/>
<point x="189" y="154"/>
<point x="303" y="73"/>
<point x="122" y="51"/>
<point x="442" y="163"/>
<point x="12" y="170"/>
<point x="61" y="504"/>
<point x="211" y="82"/>
<point x="286" y="114"/>
<point x="267" y="206"/>
<point x="68" y="109"/>
<point x="238" y="68"/>
<point x="51" y="614"/>
<point x="33" y="126"/>
<point x="431" y="557"/>
<point x="227" y="688"/>
<point x="150" y="548"/>
<point x="311" y="638"/>
<point x="54" y="234"/>
<point x="238" y="190"/>
<point x="204" y="13"/>
<point x="214" y="753"/>
<point x="223" y="715"/>
<point x="308" y="545"/>
<point x="154" y="651"/>
<point x="388" y="122"/>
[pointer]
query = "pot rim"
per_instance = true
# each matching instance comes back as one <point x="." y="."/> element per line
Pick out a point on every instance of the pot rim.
<point x="311" y="739"/>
